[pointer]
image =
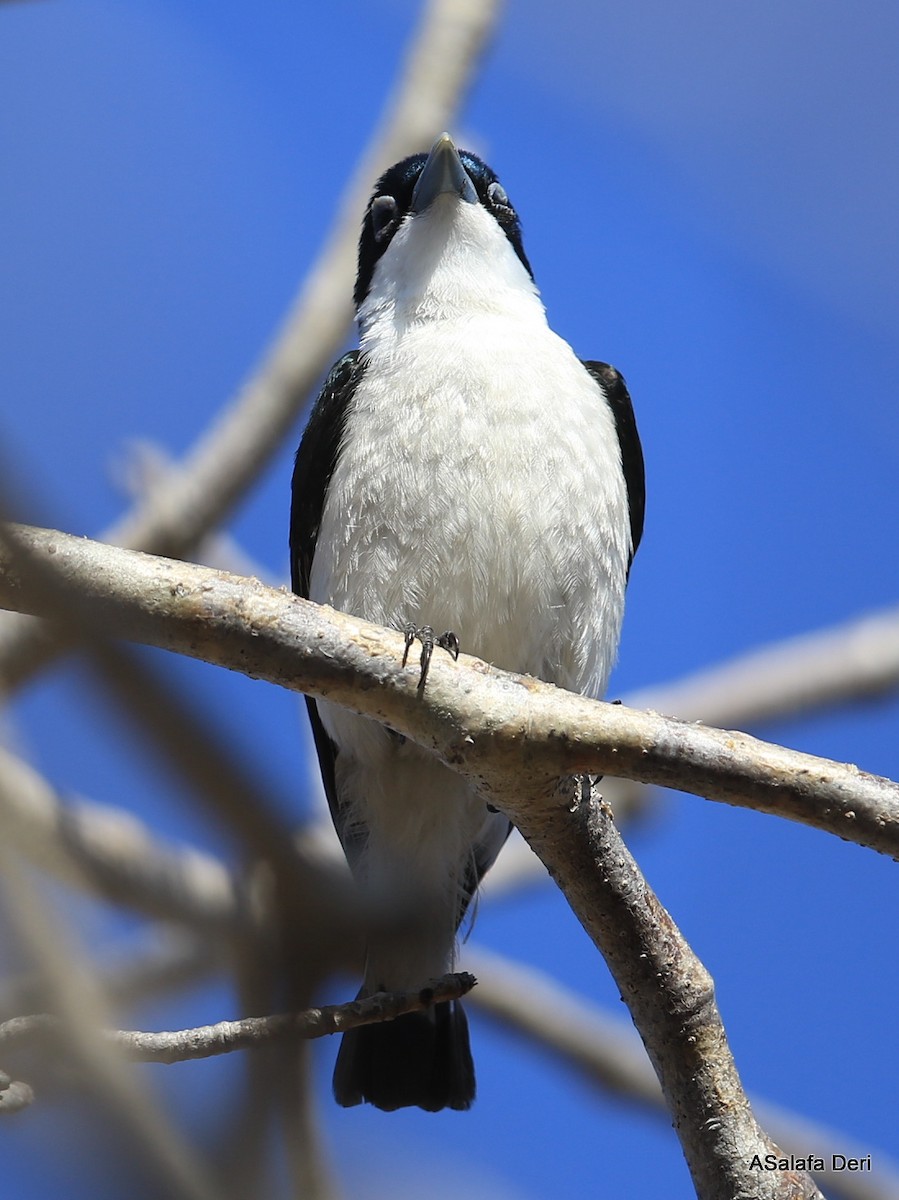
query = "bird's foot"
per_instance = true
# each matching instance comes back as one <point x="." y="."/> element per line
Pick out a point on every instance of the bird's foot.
<point x="425" y="634"/>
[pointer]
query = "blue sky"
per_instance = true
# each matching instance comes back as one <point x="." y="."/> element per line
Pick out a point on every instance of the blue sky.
<point x="708" y="195"/>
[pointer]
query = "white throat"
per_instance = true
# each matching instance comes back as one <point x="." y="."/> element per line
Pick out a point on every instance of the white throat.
<point x="450" y="262"/>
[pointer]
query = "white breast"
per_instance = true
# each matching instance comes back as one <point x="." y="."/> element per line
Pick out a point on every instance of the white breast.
<point x="479" y="489"/>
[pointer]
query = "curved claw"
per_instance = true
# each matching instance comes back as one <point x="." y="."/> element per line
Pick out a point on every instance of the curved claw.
<point x="425" y="634"/>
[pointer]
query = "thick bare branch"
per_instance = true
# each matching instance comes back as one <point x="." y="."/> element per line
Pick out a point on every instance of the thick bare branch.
<point x="667" y="989"/>
<point x="607" y="1052"/>
<point x="856" y="660"/>
<point x="486" y="723"/>
<point x="440" y="63"/>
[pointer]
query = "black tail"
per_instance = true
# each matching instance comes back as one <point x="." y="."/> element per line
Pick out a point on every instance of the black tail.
<point x="420" y="1059"/>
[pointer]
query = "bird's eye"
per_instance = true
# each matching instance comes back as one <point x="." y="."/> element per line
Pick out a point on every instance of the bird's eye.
<point x="383" y="217"/>
<point x="496" y="194"/>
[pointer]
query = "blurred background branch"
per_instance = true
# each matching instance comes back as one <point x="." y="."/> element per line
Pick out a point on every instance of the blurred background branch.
<point x="190" y="501"/>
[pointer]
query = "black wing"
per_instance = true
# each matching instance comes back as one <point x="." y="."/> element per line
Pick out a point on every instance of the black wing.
<point x="315" y="462"/>
<point x="613" y="385"/>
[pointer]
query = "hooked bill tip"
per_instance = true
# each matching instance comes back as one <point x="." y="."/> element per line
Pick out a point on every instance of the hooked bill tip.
<point x="443" y="174"/>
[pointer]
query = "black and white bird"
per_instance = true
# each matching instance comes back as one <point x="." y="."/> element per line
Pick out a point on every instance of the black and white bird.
<point x="462" y="470"/>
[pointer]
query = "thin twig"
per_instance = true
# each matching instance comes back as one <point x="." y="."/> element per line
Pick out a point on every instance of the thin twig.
<point x="604" y="1050"/>
<point x="209" y="1041"/>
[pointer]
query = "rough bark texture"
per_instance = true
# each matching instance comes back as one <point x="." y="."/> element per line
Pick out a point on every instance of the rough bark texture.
<point x="487" y="723"/>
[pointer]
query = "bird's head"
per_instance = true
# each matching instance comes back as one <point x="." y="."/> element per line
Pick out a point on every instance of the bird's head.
<point x="439" y="233"/>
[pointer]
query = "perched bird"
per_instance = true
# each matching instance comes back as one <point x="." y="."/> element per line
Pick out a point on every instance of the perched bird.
<point x="462" y="471"/>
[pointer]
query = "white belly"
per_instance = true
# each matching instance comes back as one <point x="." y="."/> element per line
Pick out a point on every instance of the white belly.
<point x="479" y="489"/>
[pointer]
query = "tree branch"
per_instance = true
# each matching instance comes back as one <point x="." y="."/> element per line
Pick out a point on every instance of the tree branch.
<point x="209" y="1041"/>
<point x="606" y="1052"/>
<point x="486" y="723"/>
<point x="668" y="991"/>
<point x="852" y="661"/>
